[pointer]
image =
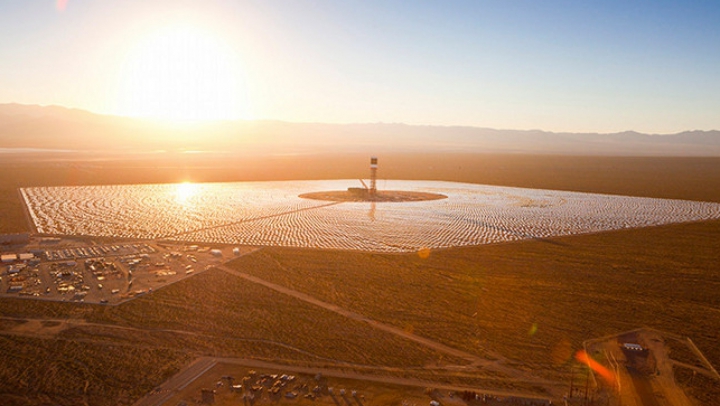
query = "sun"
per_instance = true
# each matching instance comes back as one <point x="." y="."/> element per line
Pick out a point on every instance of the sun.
<point x="183" y="72"/>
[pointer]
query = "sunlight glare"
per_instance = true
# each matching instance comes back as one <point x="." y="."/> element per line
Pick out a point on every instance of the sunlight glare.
<point x="182" y="72"/>
<point x="185" y="192"/>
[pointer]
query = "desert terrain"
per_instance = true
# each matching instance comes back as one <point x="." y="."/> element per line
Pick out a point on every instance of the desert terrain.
<point x="500" y="317"/>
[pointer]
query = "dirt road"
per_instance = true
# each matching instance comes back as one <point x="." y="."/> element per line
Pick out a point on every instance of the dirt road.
<point x="474" y="360"/>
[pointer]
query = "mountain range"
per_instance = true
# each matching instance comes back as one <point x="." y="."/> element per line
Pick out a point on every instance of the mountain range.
<point x="60" y="128"/>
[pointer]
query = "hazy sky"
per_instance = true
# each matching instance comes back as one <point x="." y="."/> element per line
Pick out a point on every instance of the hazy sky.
<point x="602" y="66"/>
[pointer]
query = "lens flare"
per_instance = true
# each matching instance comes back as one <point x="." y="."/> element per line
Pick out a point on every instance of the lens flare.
<point x="583" y="357"/>
<point x="61" y="5"/>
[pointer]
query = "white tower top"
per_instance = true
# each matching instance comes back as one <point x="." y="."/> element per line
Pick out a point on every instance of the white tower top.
<point x="373" y="174"/>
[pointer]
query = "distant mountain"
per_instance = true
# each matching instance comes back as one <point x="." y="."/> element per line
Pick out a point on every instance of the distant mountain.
<point x="53" y="127"/>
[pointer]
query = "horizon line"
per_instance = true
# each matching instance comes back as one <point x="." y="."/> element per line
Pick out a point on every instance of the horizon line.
<point x="179" y="122"/>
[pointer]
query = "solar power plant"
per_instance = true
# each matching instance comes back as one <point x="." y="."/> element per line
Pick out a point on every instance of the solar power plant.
<point x="272" y="213"/>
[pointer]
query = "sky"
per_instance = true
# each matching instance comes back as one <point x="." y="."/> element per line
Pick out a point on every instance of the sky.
<point x="575" y="66"/>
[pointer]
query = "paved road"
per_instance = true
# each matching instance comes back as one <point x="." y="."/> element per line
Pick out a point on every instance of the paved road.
<point x="177" y="383"/>
<point x="50" y="327"/>
<point x="159" y="396"/>
<point x="196" y="369"/>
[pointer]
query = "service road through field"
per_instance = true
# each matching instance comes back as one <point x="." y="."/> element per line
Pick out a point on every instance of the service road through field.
<point x="475" y="361"/>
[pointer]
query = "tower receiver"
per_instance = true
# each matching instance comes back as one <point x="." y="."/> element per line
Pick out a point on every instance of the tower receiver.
<point x="373" y="175"/>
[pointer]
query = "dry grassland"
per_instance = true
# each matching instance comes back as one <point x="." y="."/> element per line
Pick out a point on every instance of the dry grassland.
<point x="698" y="386"/>
<point x="217" y="305"/>
<point x="531" y="302"/>
<point x="68" y="372"/>
<point x="212" y="313"/>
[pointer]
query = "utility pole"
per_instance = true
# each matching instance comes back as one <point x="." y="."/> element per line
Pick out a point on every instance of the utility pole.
<point x="373" y="175"/>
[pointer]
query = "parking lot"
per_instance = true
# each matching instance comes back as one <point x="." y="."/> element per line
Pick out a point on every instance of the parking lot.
<point x="80" y="270"/>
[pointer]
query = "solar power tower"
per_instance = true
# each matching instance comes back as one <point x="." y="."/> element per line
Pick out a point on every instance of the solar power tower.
<point x="373" y="175"/>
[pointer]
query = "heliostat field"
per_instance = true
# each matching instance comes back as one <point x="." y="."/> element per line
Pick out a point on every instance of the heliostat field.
<point x="272" y="213"/>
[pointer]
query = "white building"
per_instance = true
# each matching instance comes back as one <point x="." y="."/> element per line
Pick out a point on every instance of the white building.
<point x="7" y="258"/>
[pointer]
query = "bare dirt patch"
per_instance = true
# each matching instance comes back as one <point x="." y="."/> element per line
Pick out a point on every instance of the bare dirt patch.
<point x="380" y="196"/>
<point x="41" y="328"/>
